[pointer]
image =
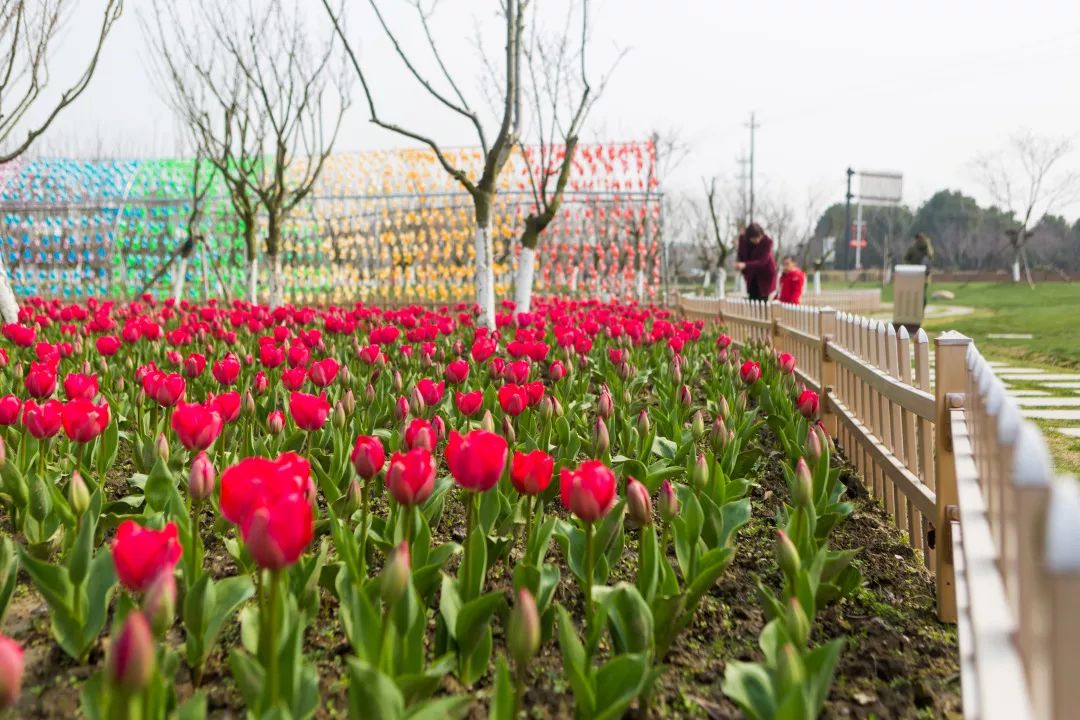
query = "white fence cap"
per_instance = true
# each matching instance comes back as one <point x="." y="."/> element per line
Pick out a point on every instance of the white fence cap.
<point x="1062" y="530"/>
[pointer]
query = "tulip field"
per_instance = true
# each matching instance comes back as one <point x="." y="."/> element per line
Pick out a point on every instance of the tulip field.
<point x="598" y="510"/>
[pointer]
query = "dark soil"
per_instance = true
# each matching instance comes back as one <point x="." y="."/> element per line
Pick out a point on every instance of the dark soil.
<point x="900" y="662"/>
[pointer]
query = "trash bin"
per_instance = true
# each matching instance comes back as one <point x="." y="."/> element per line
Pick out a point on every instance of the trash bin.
<point x="909" y="296"/>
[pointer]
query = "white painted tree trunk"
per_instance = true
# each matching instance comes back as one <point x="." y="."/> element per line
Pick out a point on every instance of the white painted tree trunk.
<point x="524" y="282"/>
<point x="9" y="306"/>
<point x="639" y="283"/>
<point x="178" y="283"/>
<point x="817" y="282"/>
<point x="721" y="283"/>
<point x="1016" y="270"/>
<point x="740" y="283"/>
<point x="485" y="276"/>
<point x="708" y="279"/>
<point x="253" y="280"/>
<point x="573" y="280"/>
<point x="277" y="286"/>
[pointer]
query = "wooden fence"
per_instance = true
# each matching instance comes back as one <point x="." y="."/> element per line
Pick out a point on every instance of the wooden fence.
<point x="947" y="453"/>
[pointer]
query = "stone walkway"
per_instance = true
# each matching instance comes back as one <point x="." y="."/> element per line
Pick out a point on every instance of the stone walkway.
<point x="1048" y="395"/>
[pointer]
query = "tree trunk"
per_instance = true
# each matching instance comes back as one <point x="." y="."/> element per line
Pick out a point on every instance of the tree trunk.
<point x="1016" y="268"/>
<point x="178" y="283"/>
<point x="9" y="306"/>
<point x="524" y="281"/>
<point x="277" y="283"/>
<point x="273" y="250"/>
<point x="253" y="279"/>
<point x="485" y="274"/>
<point x="817" y="282"/>
<point x="721" y="283"/>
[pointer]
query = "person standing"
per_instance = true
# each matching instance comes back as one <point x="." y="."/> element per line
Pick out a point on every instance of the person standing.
<point x="754" y="259"/>
<point x="792" y="281"/>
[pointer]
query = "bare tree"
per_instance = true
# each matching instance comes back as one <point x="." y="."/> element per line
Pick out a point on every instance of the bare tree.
<point x="560" y="98"/>
<point x="716" y="234"/>
<point x="1026" y="180"/>
<point x="28" y="34"/>
<point x="495" y="155"/>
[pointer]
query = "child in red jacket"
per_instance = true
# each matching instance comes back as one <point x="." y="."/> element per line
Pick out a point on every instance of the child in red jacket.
<point x="792" y="282"/>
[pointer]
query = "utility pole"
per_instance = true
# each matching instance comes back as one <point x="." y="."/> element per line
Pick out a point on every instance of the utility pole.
<point x="847" y="215"/>
<point x="743" y="162"/>
<point x="753" y="126"/>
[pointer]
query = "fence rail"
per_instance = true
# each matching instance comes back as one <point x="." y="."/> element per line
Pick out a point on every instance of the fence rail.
<point x="948" y="454"/>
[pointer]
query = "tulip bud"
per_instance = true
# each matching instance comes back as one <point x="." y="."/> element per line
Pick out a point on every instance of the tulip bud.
<point x="247" y="403"/>
<point x="718" y="435"/>
<point x="676" y="372"/>
<point x="803" y="491"/>
<point x="395" y="576"/>
<point x="798" y="624"/>
<point x="369" y="395"/>
<point x="700" y="475"/>
<point x="343" y="375"/>
<point x="813" y="445"/>
<point x="605" y="406"/>
<point x="790" y="670"/>
<point x="40" y="500"/>
<point x="130" y="663"/>
<point x="11" y="672"/>
<point x="338" y="418"/>
<point x="354" y="497"/>
<point x="547" y="408"/>
<point x="201" y="480"/>
<point x="78" y="495"/>
<point x="160" y="604"/>
<point x="396" y="381"/>
<point x="508" y="430"/>
<point x="349" y="401"/>
<point x="787" y="555"/>
<point x="625" y="370"/>
<point x="725" y="408"/>
<point x="600" y="439"/>
<point x="487" y="422"/>
<point x="275" y="422"/>
<point x="684" y="397"/>
<point x="523" y="629"/>
<point x="119" y="384"/>
<point x="161" y="447"/>
<point x="401" y="409"/>
<point x="558" y="407"/>
<point x="638" y="504"/>
<point x="697" y="426"/>
<point x="3" y="453"/>
<point x="669" y="502"/>
<point x="439" y="426"/>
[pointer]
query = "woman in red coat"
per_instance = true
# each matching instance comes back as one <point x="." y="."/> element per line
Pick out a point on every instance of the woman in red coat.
<point x="756" y="262"/>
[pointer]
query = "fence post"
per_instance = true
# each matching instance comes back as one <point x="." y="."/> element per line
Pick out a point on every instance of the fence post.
<point x="826" y="334"/>
<point x="950" y="378"/>
<point x="774" y="326"/>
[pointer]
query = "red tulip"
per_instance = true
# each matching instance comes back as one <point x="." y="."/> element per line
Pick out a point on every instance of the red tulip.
<point x="589" y="491"/>
<point x="298" y="355"/>
<point x="368" y="456"/>
<point x="275" y="422"/>
<point x="202" y="477"/>
<point x="723" y="342"/>
<point x="83" y="420"/>
<point x="11" y="672"/>
<point x="293" y="379"/>
<point x="141" y="554"/>
<point x="166" y="388"/>
<point x="107" y="345"/>
<point x="323" y="372"/>
<point x="808" y="404"/>
<point x="10" y="405"/>
<point x="410" y="477"/>
<point x="40" y="381"/>
<point x="531" y="472"/>
<point x="457" y="372"/>
<point x="476" y="460"/>
<point x="194" y="365"/>
<point x="78" y="385"/>
<point x="270" y="355"/>
<point x="131" y="660"/>
<point x="21" y="335"/>
<point x="259" y="383"/>
<point x="518" y="372"/>
<point x="787" y="363"/>
<point x="401" y="408"/>
<point x="420" y="433"/>
<point x="309" y="412"/>
<point x="278" y="532"/>
<point x="430" y="391"/>
<point x="256" y="482"/>
<point x="226" y="404"/>
<point x="227" y="369"/>
<point x="513" y="399"/>
<point x="196" y="425"/>
<point x="44" y="420"/>
<point x="750" y="372"/>
<point x="557" y="371"/>
<point x="535" y="392"/>
<point x="468" y="404"/>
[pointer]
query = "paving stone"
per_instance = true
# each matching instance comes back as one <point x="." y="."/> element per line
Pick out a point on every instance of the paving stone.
<point x="1011" y="336"/>
<point x="1064" y="385"/>
<point x="1073" y="432"/>
<point x="1052" y="414"/>
<point x="1065" y="402"/>
<point x="1052" y="377"/>
<point x="1021" y="371"/>
<point x="1028" y="393"/>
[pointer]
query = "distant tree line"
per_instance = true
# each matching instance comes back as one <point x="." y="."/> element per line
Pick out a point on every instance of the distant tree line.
<point x="965" y="236"/>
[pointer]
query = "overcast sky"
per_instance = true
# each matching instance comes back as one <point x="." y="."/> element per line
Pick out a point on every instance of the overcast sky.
<point x="920" y="87"/>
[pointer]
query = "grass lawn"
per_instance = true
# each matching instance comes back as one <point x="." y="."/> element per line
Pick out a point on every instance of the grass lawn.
<point x="1050" y="313"/>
